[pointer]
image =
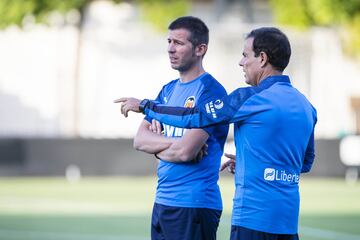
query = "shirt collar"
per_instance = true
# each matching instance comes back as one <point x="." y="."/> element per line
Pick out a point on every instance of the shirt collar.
<point x="274" y="79"/>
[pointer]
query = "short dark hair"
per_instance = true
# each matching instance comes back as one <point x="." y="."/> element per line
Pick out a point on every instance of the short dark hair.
<point x="199" y="32"/>
<point x="274" y="43"/>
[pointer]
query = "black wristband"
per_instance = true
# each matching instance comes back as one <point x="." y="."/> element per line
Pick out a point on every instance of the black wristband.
<point x="156" y="156"/>
<point x="143" y="104"/>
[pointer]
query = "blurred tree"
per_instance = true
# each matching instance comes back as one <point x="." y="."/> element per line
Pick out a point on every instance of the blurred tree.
<point x="158" y="12"/>
<point x="302" y="14"/>
<point x="15" y="11"/>
<point x="161" y="12"/>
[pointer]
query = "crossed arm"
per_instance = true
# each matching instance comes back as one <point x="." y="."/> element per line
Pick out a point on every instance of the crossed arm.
<point x="184" y="149"/>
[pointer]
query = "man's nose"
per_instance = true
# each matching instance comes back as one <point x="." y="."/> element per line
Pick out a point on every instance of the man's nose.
<point x="241" y="63"/>
<point x="171" y="48"/>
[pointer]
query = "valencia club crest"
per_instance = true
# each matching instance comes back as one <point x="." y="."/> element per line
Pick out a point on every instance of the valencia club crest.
<point x="190" y="102"/>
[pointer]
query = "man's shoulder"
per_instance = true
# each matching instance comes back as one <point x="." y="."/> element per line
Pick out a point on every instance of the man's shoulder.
<point x="213" y="85"/>
<point x="171" y="83"/>
<point x="241" y="95"/>
<point x="209" y="79"/>
<point x="169" y="86"/>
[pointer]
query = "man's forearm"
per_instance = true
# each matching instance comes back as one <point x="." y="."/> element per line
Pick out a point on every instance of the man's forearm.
<point x="309" y="155"/>
<point x="152" y="143"/>
<point x="168" y="149"/>
<point x="185" y="149"/>
<point x="175" y="153"/>
<point x="148" y="141"/>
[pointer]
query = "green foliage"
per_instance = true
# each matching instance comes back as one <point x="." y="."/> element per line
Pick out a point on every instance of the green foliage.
<point x="352" y="37"/>
<point x="161" y="12"/>
<point x="14" y="11"/>
<point x="158" y="12"/>
<point x="305" y="13"/>
<point x="291" y="12"/>
<point x="325" y="12"/>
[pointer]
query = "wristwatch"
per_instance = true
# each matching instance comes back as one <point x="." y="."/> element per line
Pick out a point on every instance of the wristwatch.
<point x="143" y="104"/>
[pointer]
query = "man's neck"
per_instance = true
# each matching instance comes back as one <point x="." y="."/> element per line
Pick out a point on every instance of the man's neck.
<point x="268" y="73"/>
<point x="191" y="74"/>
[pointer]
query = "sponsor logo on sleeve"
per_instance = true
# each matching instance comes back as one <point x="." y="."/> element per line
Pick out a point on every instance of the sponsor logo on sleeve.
<point x="210" y="109"/>
<point x="218" y="104"/>
<point x="207" y="108"/>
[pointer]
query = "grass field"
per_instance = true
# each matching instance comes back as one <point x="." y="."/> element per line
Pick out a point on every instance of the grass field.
<point x="120" y="208"/>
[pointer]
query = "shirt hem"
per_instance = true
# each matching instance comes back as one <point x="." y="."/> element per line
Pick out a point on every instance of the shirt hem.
<point x="188" y="205"/>
<point x="257" y="228"/>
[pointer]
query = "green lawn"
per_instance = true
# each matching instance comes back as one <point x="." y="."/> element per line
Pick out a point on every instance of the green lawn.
<point x="120" y="208"/>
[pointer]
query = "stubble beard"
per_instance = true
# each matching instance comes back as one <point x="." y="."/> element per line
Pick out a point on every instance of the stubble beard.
<point x="186" y="66"/>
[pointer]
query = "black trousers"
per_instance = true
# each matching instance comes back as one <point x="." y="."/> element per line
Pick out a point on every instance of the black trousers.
<point x="241" y="233"/>
<point x="178" y="223"/>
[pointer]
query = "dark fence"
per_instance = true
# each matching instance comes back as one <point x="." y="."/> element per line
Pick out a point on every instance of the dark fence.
<point x="104" y="157"/>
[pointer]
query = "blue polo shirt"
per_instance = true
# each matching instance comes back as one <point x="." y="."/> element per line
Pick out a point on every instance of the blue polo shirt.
<point x="274" y="137"/>
<point x="192" y="184"/>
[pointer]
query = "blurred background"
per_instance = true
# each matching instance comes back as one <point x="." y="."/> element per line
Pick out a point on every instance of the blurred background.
<point x="67" y="166"/>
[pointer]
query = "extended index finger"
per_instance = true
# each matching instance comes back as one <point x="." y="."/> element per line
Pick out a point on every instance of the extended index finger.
<point x="231" y="156"/>
<point x="120" y="100"/>
<point x="224" y="165"/>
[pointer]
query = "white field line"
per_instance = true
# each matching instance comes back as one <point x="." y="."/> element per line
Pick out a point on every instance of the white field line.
<point x="42" y="235"/>
<point x="318" y="233"/>
<point x="326" y="234"/>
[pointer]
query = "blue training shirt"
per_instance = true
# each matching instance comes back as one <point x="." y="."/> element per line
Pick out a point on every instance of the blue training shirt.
<point x="192" y="184"/>
<point x="274" y="137"/>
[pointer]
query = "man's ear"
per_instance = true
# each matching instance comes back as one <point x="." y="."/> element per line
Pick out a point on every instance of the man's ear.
<point x="200" y="50"/>
<point x="264" y="59"/>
